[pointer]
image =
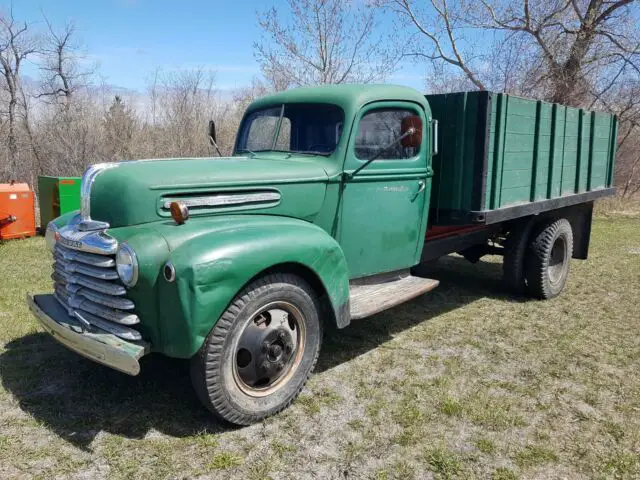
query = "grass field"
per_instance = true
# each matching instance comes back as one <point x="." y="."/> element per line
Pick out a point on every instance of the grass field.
<point x="465" y="382"/>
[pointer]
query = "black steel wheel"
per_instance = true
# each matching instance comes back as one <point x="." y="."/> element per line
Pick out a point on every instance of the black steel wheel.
<point x="259" y="355"/>
<point x="548" y="259"/>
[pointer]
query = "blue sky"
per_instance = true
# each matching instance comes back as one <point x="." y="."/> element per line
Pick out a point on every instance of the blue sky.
<point x="129" y="39"/>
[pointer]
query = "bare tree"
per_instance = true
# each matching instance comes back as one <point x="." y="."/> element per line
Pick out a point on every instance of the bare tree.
<point x="16" y="45"/>
<point x="570" y="51"/>
<point x="324" y="41"/>
<point x="120" y="126"/>
<point x="583" y="53"/>
<point x="61" y="56"/>
<point x="624" y="100"/>
<point x="182" y="103"/>
<point x="443" y="29"/>
<point x="578" y="40"/>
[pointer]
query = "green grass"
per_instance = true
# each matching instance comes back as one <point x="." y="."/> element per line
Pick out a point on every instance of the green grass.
<point x="503" y="473"/>
<point x="224" y="461"/>
<point x="485" y="445"/>
<point x="443" y="463"/>
<point x="464" y="382"/>
<point x="533" y="455"/>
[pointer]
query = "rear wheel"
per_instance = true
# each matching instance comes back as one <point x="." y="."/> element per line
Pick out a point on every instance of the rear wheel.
<point x="548" y="258"/>
<point x="259" y="355"/>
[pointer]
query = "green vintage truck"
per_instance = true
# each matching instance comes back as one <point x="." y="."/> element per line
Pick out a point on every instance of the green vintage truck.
<point x="332" y="201"/>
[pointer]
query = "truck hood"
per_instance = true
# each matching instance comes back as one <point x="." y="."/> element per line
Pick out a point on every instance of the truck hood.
<point x="137" y="192"/>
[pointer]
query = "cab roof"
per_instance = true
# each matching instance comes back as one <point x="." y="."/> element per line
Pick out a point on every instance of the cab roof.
<point x="350" y="97"/>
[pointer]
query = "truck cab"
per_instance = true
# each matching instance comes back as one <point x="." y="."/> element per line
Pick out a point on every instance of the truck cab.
<point x="321" y="216"/>
<point x="341" y="128"/>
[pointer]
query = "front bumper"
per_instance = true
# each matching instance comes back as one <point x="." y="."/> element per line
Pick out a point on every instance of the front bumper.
<point x="93" y="343"/>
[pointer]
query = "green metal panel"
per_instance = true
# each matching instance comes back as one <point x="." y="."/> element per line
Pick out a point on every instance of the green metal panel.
<point x="458" y="144"/>
<point x="528" y="151"/>
<point x="382" y="216"/>
<point x="57" y="196"/>
<point x="133" y="193"/>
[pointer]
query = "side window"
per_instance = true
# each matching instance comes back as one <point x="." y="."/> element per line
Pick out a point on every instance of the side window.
<point x="377" y="129"/>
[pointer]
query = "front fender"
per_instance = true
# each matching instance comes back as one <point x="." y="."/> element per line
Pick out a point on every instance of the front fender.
<point x="213" y="266"/>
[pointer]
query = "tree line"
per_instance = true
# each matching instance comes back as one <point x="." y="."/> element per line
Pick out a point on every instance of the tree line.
<point x="582" y="53"/>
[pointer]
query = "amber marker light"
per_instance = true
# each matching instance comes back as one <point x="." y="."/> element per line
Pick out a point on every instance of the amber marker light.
<point x="179" y="212"/>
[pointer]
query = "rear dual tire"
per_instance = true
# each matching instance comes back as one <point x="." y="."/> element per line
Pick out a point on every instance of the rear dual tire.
<point x="537" y="258"/>
<point x="548" y="258"/>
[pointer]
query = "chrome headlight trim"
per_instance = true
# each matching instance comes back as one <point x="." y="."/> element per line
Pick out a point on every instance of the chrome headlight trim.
<point x="128" y="272"/>
<point x="88" y="178"/>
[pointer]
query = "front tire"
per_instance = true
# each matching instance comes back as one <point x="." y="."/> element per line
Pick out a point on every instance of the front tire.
<point x="549" y="255"/>
<point x="260" y="353"/>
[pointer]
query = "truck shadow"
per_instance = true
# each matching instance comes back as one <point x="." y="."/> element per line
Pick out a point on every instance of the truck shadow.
<point x="461" y="283"/>
<point x="78" y="399"/>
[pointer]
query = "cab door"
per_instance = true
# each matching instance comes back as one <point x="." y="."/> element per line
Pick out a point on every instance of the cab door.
<point x="383" y="214"/>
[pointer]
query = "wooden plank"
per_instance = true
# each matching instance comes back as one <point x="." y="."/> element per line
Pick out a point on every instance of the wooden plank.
<point x="369" y="299"/>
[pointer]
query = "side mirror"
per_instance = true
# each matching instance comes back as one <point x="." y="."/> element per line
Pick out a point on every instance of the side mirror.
<point x="411" y="139"/>
<point x="212" y="132"/>
<point x="212" y="136"/>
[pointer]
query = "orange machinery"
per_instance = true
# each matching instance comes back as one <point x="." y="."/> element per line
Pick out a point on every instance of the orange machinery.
<point x="17" y="214"/>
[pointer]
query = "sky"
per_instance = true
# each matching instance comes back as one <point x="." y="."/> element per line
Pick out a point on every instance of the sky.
<point x="129" y="39"/>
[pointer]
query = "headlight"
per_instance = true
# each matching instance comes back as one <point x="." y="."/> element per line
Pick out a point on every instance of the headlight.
<point x="127" y="265"/>
<point x="50" y="236"/>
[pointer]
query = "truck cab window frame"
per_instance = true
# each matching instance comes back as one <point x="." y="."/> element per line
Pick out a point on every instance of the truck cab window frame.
<point x="377" y="128"/>
<point x="309" y="128"/>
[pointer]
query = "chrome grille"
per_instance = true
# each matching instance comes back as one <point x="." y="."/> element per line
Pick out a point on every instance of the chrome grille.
<point x="87" y="285"/>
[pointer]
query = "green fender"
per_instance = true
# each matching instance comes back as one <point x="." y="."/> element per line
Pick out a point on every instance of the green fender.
<point x="213" y="262"/>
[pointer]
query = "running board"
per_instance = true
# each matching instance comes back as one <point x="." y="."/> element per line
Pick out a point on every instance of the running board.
<point x="367" y="299"/>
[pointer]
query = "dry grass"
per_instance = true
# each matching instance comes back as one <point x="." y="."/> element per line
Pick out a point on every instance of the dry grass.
<point x="465" y="382"/>
<point x="618" y="207"/>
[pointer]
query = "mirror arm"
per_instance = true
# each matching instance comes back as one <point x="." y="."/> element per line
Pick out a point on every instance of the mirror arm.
<point x="213" y="142"/>
<point x="411" y="131"/>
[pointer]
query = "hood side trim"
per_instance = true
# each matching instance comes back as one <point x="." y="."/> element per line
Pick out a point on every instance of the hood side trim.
<point x="225" y="200"/>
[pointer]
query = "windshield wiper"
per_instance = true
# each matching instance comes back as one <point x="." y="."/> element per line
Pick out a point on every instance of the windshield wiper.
<point x="312" y="152"/>
<point x="276" y="133"/>
<point x="246" y="150"/>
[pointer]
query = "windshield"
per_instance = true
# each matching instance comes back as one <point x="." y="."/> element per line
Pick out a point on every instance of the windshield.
<point x="313" y="128"/>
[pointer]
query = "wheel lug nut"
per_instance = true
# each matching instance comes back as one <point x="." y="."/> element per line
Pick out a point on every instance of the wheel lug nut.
<point x="281" y="336"/>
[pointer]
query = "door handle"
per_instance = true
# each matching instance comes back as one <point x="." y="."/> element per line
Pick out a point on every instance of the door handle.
<point x="421" y="186"/>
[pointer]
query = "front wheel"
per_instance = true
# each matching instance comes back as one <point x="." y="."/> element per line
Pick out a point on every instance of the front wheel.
<point x="260" y="353"/>
<point x="547" y="264"/>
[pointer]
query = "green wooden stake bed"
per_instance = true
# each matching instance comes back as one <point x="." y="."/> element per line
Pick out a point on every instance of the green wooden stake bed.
<point x="332" y="200"/>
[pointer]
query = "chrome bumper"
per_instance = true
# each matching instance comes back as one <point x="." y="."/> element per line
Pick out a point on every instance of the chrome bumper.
<point x="94" y="344"/>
